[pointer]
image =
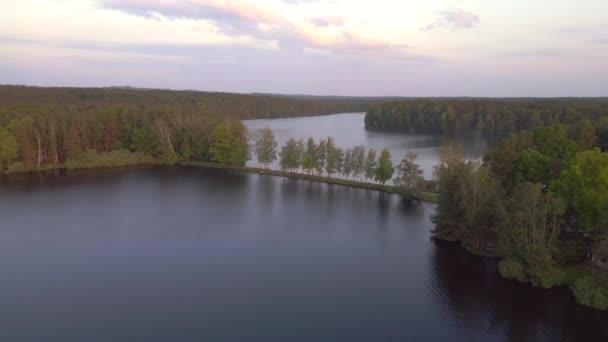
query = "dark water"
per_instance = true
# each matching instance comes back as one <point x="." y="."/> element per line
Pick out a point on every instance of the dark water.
<point x="348" y="130"/>
<point x="176" y="254"/>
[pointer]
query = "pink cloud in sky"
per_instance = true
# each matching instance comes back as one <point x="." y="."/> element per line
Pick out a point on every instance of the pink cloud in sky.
<point x="243" y="18"/>
<point x="454" y="18"/>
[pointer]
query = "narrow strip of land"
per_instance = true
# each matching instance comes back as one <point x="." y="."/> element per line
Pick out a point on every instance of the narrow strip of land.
<point x="419" y="195"/>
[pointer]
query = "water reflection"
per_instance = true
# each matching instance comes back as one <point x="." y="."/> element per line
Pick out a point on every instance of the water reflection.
<point x="190" y="254"/>
<point x="486" y="307"/>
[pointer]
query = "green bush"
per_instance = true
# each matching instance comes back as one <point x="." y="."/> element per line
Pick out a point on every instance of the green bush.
<point x="547" y="277"/>
<point x="591" y="292"/>
<point x="94" y="159"/>
<point x="512" y="269"/>
<point x="543" y="272"/>
<point x="17" y="167"/>
<point x="568" y="251"/>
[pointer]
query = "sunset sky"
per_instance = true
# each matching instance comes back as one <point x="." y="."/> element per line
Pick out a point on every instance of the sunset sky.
<point x="337" y="47"/>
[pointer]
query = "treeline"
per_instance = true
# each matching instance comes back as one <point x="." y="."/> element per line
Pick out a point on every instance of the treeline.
<point x="325" y="158"/>
<point x="44" y="128"/>
<point x="35" y="140"/>
<point x="493" y="117"/>
<point x="19" y="98"/>
<point x="539" y="201"/>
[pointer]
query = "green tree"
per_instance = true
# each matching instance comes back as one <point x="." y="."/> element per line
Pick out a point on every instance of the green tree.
<point x="72" y="142"/>
<point x="185" y="148"/>
<point x="291" y="155"/>
<point x="531" y="166"/>
<point x="358" y="161"/>
<point x="321" y="156"/>
<point x="451" y="154"/>
<point x="310" y="161"/>
<point x="585" y="186"/>
<point x="8" y="147"/>
<point x="602" y="133"/>
<point x="448" y="216"/>
<point x="347" y="163"/>
<point x="584" y="133"/>
<point x="409" y="174"/>
<point x="553" y="142"/>
<point x="371" y="163"/>
<point x="536" y="219"/>
<point x="265" y="147"/>
<point x="142" y="140"/>
<point x="479" y="200"/>
<point x="385" y="168"/>
<point x="333" y="157"/>
<point x="229" y="144"/>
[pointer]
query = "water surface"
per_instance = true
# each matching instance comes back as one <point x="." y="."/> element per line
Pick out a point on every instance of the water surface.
<point x="184" y="254"/>
<point x="348" y="130"/>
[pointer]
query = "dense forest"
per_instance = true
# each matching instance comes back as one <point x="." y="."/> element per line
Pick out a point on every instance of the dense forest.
<point x="79" y="127"/>
<point x="244" y="106"/>
<point x="493" y="117"/>
<point x="539" y="201"/>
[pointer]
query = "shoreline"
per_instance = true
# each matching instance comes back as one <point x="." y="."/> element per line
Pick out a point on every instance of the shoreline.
<point x="429" y="197"/>
<point x="423" y="196"/>
<point x="419" y="195"/>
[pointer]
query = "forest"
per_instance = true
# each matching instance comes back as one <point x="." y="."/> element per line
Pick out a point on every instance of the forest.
<point x="539" y="201"/>
<point x="492" y="117"/>
<point x="44" y="128"/>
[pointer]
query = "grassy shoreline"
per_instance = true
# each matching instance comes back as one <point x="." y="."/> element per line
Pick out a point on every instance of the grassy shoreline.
<point x="418" y="195"/>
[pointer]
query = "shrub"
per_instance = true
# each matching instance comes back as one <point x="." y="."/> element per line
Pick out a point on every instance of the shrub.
<point x="512" y="269"/>
<point x="94" y="159"/>
<point x="569" y="250"/>
<point x="591" y="292"/>
<point x="17" y="167"/>
<point x="544" y="272"/>
<point x="547" y="277"/>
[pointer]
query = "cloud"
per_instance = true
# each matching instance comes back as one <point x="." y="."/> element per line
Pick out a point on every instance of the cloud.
<point x="328" y="21"/>
<point x="536" y="53"/>
<point x="301" y="2"/>
<point x="590" y="34"/>
<point x="297" y="2"/>
<point x="600" y="41"/>
<point x="245" y="18"/>
<point x="454" y="18"/>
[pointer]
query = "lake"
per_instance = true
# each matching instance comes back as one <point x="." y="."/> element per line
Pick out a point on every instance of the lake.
<point x="348" y="130"/>
<point x="186" y="254"/>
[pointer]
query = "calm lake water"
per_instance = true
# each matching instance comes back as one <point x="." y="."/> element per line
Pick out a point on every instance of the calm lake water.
<point x="348" y="130"/>
<point x="185" y="254"/>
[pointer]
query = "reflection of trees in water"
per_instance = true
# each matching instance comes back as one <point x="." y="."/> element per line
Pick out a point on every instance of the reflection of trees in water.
<point x="480" y="301"/>
<point x="411" y="209"/>
<point x="266" y="194"/>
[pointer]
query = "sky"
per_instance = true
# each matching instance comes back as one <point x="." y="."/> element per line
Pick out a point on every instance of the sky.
<point x="488" y="48"/>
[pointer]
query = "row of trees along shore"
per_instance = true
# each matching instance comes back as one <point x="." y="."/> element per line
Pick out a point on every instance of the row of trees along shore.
<point x="125" y="137"/>
<point x="44" y="128"/>
<point x="326" y="158"/>
<point x="539" y="201"/>
<point x="492" y="117"/>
